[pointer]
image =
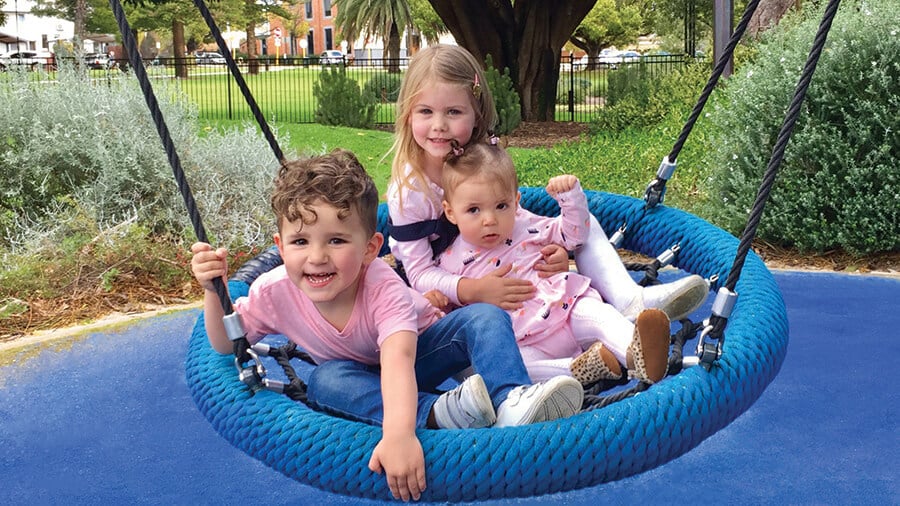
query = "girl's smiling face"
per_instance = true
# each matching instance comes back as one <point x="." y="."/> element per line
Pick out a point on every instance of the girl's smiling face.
<point x="441" y="112"/>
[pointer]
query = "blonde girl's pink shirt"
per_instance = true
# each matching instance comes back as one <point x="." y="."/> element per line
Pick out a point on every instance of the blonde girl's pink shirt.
<point x="384" y="305"/>
<point x="542" y="322"/>
<point x="416" y="255"/>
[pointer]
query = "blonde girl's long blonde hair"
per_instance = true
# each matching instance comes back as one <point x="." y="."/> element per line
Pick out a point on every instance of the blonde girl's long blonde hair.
<point x="441" y="63"/>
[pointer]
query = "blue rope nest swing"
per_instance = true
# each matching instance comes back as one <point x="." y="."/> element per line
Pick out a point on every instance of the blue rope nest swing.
<point x="624" y="438"/>
<point x="633" y="434"/>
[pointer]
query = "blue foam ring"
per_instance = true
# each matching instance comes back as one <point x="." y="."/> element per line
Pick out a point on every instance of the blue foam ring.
<point x="622" y="439"/>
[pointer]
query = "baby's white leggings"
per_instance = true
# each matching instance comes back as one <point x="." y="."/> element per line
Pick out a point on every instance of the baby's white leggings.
<point x="591" y="320"/>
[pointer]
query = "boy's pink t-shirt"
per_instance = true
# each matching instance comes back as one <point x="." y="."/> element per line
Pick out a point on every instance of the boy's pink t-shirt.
<point x="384" y="305"/>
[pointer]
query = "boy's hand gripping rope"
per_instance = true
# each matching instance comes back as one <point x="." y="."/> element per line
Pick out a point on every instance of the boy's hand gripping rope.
<point x="250" y="369"/>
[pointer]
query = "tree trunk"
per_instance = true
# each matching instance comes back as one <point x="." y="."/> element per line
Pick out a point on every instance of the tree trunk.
<point x="768" y="13"/>
<point x="526" y="37"/>
<point x="181" y="70"/>
<point x="79" y="30"/>
<point x="393" y="50"/>
<point x="252" y="55"/>
<point x="252" y="60"/>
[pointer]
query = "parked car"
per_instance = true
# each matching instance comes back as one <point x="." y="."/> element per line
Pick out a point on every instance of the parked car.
<point x="28" y="59"/>
<point x="581" y="63"/>
<point x="626" y="56"/>
<point x="613" y="58"/>
<point x="209" y="58"/>
<point x="97" y="60"/>
<point x="331" y="57"/>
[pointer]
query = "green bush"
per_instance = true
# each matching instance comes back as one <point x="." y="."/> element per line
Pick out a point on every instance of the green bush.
<point x="838" y="185"/>
<point x="385" y="86"/>
<point x="581" y="88"/>
<point x="637" y="100"/>
<point x="506" y="100"/>
<point x="629" y="81"/>
<point x="340" y="101"/>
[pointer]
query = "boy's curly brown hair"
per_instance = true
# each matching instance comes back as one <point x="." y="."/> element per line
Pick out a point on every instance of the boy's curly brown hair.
<point x="336" y="179"/>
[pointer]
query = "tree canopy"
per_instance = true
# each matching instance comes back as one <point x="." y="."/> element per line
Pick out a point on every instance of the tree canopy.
<point x="382" y="18"/>
<point x="606" y="25"/>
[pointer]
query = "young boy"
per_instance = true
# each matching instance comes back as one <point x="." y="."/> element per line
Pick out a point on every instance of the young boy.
<point x="378" y="345"/>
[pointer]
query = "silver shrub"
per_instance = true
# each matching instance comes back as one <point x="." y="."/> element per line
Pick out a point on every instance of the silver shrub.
<point x="84" y="157"/>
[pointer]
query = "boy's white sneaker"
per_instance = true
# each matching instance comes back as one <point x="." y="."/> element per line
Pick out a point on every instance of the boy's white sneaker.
<point x="468" y="406"/>
<point x="558" y="397"/>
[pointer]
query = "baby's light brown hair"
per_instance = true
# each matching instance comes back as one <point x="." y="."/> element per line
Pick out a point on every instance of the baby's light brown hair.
<point x="336" y="179"/>
<point x="483" y="159"/>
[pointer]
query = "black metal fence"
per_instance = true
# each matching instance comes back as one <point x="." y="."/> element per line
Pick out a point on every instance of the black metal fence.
<point x="283" y="88"/>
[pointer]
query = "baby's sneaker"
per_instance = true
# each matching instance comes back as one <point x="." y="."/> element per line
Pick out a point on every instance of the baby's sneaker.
<point x="467" y="406"/>
<point x="595" y="364"/>
<point x="558" y="397"/>
<point x="677" y="299"/>
<point x="647" y="356"/>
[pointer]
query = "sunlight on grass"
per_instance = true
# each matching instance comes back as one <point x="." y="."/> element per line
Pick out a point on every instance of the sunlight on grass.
<point x="370" y="146"/>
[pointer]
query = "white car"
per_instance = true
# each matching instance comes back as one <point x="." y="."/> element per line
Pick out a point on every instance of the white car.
<point x="97" y="60"/>
<point x="29" y="59"/>
<point x="210" y="58"/>
<point x="614" y="58"/>
<point x="331" y="57"/>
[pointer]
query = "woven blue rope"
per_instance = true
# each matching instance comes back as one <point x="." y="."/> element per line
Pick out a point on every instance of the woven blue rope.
<point x="619" y="440"/>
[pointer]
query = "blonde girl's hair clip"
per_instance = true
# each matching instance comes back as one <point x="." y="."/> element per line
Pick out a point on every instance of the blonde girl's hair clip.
<point x="476" y="88"/>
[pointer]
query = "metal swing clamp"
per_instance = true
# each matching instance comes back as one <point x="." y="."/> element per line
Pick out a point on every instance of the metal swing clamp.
<point x="252" y="373"/>
<point x="656" y="190"/>
<point x="668" y="256"/>
<point x="269" y="384"/>
<point x="709" y="352"/>
<point x="618" y="237"/>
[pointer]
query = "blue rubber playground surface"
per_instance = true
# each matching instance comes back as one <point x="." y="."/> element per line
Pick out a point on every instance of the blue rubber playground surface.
<point x="107" y="418"/>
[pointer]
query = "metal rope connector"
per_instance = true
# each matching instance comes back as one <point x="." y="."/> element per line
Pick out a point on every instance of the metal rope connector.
<point x="656" y="190"/>
<point x="234" y="326"/>
<point x="618" y="237"/>
<point x="274" y="385"/>
<point x="709" y="352"/>
<point x="251" y="373"/>
<point x="724" y="303"/>
<point x="666" y="257"/>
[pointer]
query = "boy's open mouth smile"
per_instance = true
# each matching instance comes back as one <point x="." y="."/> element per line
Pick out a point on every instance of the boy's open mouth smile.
<point x="319" y="280"/>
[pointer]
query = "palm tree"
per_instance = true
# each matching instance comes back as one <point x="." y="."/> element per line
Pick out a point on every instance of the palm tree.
<point x="382" y="18"/>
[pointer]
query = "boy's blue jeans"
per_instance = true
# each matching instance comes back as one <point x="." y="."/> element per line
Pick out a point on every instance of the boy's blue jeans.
<point x="479" y="335"/>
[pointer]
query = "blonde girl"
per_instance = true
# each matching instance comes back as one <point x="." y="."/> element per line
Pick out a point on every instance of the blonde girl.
<point x="444" y="97"/>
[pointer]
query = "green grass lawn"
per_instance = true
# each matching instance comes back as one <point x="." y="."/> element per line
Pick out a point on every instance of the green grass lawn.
<point x="370" y="146"/>
<point x="283" y="94"/>
<point x="620" y="162"/>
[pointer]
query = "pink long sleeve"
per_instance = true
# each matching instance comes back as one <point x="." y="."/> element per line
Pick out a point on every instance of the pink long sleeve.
<point x="416" y="256"/>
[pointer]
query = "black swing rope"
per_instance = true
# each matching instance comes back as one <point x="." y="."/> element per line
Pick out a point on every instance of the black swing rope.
<point x="718" y="322"/>
<point x="714" y="330"/>
<point x="656" y="190"/>
<point x="251" y="370"/>
<point x="296" y="389"/>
